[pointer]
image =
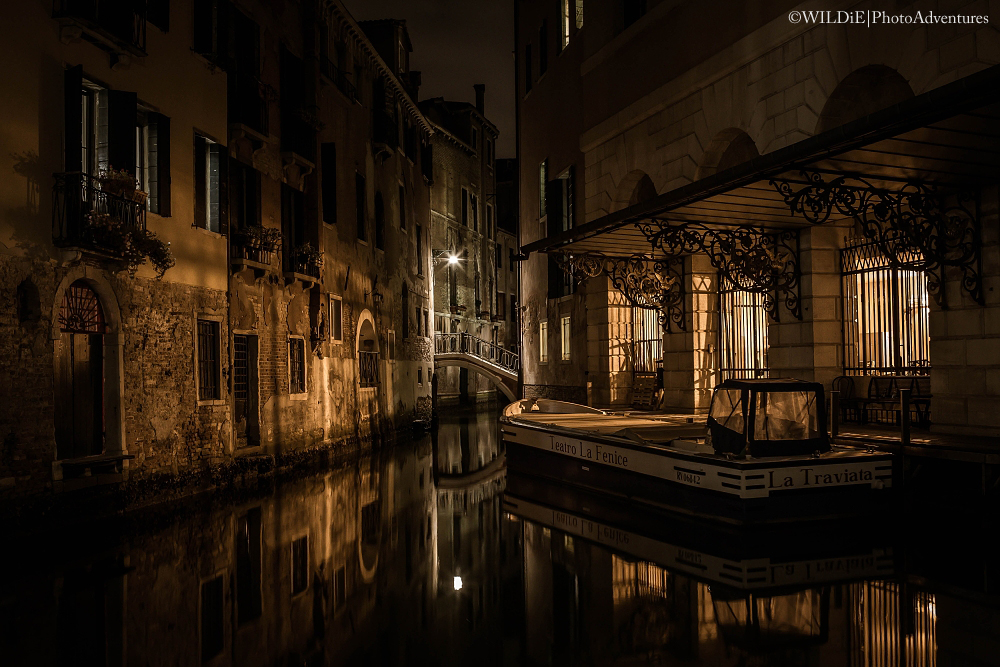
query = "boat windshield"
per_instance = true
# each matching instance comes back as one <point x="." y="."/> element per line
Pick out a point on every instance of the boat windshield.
<point x="786" y="415"/>
<point x="727" y="409"/>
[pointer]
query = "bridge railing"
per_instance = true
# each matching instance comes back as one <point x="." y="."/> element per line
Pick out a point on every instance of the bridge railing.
<point x="475" y="346"/>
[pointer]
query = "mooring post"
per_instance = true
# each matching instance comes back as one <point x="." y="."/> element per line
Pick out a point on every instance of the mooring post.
<point x="904" y="416"/>
<point x="834" y="413"/>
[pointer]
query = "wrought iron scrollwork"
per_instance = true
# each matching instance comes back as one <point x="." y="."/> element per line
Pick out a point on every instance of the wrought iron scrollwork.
<point x="908" y="222"/>
<point x="749" y="259"/>
<point x="653" y="284"/>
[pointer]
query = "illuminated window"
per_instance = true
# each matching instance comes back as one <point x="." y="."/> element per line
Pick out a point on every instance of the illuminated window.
<point x="579" y="14"/>
<point x="543" y="179"/>
<point x="543" y="341"/>
<point x="564" y="23"/>
<point x="742" y="333"/>
<point x="566" y="334"/>
<point x="207" y="163"/>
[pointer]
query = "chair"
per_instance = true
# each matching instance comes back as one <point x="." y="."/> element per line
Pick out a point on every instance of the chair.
<point x="848" y="400"/>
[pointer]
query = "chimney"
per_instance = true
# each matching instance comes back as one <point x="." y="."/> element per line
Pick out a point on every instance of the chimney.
<point x="480" y="97"/>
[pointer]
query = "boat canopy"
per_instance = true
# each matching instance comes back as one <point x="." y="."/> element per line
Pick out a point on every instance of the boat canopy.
<point x="768" y="417"/>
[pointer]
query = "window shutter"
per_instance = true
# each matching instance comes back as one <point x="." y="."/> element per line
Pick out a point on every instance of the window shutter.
<point x="554" y="206"/>
<point x="163" y="162"/>
<point x="556" y="280"/>
<point x="74" y="118"/>
<point x="223" y="188"/>
<point x="121" y="129"/>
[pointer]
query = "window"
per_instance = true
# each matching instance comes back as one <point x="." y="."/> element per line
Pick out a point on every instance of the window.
<point x="465" y="207"/>
<point x="208" y="360"/>
<point x="427" y="323"/>
<point x="474" y="211"/>
<point x="489" y="223"/>
<point x="579" y="14"/>
<point x="475" y="139"/>
<point x="420" y="249"/>
<point x="244" y="183"/>
<point x="336" y="319"/>
<point x="212" y="618"/>
<point x="513" y="308"/>
<point x="152" y="160"/>
<point x="501" y="306"/>
<point x="543" y="48"/>
<point x="420" y="376"/>
<point x="527" y="68"/>
<point x="158" y="13"/>
<point x="328" y="163"/>
<point x="543" y="181"/>
<point x="647" y="340"/>
<point x="742" y="333"/>
<point x="390" y="337"/>
<point x="565" y="335"/>
<point x="886" y="312"/>
<point x="543" y="341"/>
<point x="293" y="228"/>
<point x="368" y="368"/>
<point x="296" y="366"/>
<point x="360" y="194"/>
<point x="379" y="221"/>
<point x="564" y="23"/>
<point x="416" y="319"/>
<point x="207" y="176"/>
<point x="402" y="207"/>
<point x="300" y="565"/>
<point x="633" y="10"/>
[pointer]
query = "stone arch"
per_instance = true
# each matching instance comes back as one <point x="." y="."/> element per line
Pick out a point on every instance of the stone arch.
<point x="365" y="337"/>
<point x="636" y="187"/>
<point x="862" y="92"/>
<point x="113" y="394"/>
<point x="728" y="148"/>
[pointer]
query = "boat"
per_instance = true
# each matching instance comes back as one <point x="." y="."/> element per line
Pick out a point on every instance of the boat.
<point x="761" y="455"/>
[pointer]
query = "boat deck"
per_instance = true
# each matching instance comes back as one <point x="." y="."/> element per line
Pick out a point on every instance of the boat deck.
<point x="654" y="428"/>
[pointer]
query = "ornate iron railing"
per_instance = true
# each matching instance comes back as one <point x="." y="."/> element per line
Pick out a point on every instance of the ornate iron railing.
<point x="368" y="368"/>
<point x="466" y="343"/>
<point x="85" y="216"/>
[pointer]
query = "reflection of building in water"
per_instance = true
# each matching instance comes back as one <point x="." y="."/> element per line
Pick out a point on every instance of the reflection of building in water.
<point x="469" y="443"/>
<point x="470" y="480"/>
<point x="585" y="604"/>
<point x="298" y="576"/>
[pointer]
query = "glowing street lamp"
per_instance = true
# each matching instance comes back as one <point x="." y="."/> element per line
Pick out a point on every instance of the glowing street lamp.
<point x="452" y="259"/>
<point x="458" y="583"/>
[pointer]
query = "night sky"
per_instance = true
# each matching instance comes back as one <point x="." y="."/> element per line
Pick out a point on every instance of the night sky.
<point x="458" y="43"/>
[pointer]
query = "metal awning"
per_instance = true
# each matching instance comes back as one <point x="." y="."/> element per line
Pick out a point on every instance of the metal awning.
<point x="946" y="141"/>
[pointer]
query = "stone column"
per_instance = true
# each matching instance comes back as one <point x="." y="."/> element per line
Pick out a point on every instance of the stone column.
<point x="689" y="357"/>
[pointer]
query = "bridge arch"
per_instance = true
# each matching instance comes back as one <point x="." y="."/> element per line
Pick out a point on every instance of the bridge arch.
<point x="500" y="383"/>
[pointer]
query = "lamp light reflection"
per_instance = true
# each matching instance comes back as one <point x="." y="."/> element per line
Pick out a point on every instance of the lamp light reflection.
<point x="458" y="583"/>
<point x="453" y="259"/>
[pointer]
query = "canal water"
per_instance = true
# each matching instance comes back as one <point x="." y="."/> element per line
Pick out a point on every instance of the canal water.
<point x="430" y="554"/>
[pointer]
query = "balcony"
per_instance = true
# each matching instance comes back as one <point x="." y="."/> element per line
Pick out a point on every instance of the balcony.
<point x="87" y="217"/>
<point x="253" y="247"/>
<point x="114" y="25"/>
<point x="339" y="79"/>
<point x="303" y="263"/>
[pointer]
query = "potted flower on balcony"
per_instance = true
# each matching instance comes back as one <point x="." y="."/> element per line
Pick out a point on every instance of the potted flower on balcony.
<point x="118" y="182"/>
<point x="132" y="245"/>
<point x="259" y="238"/>
<point x="307" y="260"/>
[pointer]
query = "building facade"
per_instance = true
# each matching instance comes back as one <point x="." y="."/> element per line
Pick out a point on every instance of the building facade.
<point x="216" y="226"/>
<point x="464" y="238"/>
<point x="724" y="103"/>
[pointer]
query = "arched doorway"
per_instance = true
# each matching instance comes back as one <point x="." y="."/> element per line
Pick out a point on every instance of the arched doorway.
<point x="80" y="374"/>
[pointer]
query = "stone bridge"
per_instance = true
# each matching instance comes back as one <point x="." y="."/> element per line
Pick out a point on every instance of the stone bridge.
<point x="464" y="350"/>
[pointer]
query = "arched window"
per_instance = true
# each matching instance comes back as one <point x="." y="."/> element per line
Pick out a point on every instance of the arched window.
<point x="81" y="311"/>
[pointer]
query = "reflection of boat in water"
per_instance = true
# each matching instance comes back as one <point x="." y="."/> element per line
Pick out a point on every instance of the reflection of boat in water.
<point x="743" y="559"/>
<point x="763" y="455"/>
<point x="676" y="589"/>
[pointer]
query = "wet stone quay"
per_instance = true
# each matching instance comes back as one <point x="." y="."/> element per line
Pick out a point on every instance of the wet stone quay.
<point x="430" y="552"/>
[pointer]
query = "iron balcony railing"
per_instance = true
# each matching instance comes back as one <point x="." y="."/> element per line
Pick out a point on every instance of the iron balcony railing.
<point x="368" y="368"/>
<point x="119" y="21"/>
<point x="248" y="243"/>
<point x="466" y="343"/>
<point x="85" y="216"/>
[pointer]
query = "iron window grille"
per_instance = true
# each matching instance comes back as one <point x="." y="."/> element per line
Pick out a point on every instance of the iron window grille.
<point x="368" y="368"/>
<point x="208" y="360"/>
<point x="296" y="366"/>
<point x="886" y="312"/>
<point x="647" y="340"/>
<point x="743" y="339"/>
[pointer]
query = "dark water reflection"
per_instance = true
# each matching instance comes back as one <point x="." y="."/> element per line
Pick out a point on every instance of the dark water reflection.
<point x="417" y="556"/>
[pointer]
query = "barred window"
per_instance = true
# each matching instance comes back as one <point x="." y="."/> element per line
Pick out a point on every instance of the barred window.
<point x="208" y="360"/>
<point x="296" y="366"/>
<point x="742" y="333"/>
<point x="368" y="368"/>
<point x="886" y="312"/>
